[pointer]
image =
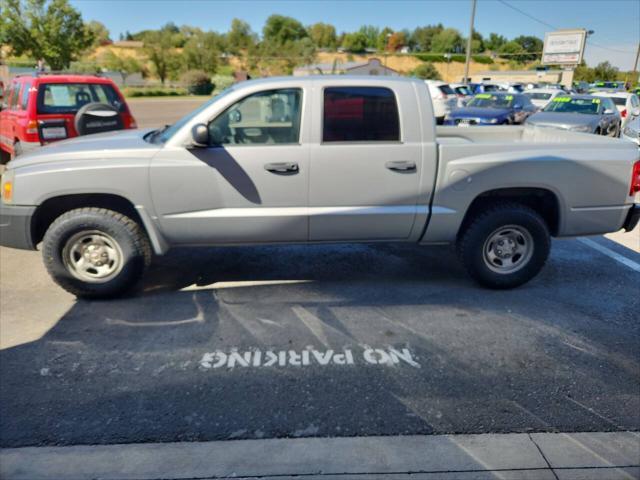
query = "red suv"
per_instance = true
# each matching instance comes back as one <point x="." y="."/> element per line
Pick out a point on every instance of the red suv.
<point x="42" y="108"/>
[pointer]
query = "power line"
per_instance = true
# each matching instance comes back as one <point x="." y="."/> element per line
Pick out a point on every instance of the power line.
<point x="542" y="22"/>
<point x="527" y="15"/>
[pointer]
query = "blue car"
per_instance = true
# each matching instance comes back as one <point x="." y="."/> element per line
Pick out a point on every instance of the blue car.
<point x="494" y="108"/>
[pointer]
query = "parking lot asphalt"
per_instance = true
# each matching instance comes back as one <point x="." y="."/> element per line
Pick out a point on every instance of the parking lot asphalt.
<point x="317" y="341"/>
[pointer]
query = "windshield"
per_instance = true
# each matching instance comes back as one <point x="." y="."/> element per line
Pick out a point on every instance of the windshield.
<point x="538" y="95"/>
<point x="171" y="130"/>
<point x="487" y="100"/>
<point x="463" y="90"/>
<point x="589" y="106"/>
<point x="70" y="97"/>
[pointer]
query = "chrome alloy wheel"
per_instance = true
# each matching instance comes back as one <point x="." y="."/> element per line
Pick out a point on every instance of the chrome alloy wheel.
<point x="92" y="256"/>
<point x="508" y="249"/>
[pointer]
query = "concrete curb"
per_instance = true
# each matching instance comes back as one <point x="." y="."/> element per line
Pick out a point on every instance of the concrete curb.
<point x="600" y="455"/>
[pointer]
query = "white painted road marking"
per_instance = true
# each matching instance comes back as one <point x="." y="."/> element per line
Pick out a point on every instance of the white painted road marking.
<point x="242" y="284"/>
<point x="610" y="253"/>
<point x="257" y="358"/>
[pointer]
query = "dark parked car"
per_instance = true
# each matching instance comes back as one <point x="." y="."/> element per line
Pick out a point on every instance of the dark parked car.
<point x="495" y="108"/>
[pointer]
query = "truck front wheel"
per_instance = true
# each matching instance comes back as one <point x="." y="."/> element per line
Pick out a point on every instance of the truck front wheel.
<point x="95" y="252"/>
<point x="505" y="246"/>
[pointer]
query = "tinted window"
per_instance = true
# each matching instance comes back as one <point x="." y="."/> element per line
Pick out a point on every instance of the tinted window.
<point x="491" y="100"/>
<point x="25" y="95"/>
<point x="70" y="97"/>
<point x="264" y="118"/>
<point x="538" y="95"/>
<point x="360" y="114"/>
<point x="446" y="89"/>
<point x="15" y="90"/>
<point x="562" y="104"/>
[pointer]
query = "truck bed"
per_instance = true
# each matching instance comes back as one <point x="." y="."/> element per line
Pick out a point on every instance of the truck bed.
<point x="572" y="166"/>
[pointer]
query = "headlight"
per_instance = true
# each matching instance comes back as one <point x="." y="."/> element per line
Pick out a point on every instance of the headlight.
<point x="493" y="120"/>
<point x="580" y="128"/>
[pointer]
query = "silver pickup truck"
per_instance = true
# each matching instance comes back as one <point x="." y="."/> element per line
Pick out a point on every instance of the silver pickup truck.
<point x="309" y="160"/>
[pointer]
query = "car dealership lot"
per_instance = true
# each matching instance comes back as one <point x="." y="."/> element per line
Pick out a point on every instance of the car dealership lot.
<point x="397" y="341"/>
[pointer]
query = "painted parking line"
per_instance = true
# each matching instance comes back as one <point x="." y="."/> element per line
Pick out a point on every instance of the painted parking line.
<point x="610" y="253"/>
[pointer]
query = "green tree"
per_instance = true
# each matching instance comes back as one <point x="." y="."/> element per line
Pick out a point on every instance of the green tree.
<point x="202" y="51"/>
<point x="51" y="30"/>
<point x="494" y="42"/>
<point x="371" y="33"/>
<point x="99" y="33"/>
<point x="323" y="35"/>
<point x="531" y="45"/>
<point x="280" y="29"/>
<point x="421" y="37"/>
<point x="604" y="71"/>
<point x="124" y="65"/>
<point x="355" y="42"/>
<point x="426" y="71"/>
<point x="240" y="37"/>
<point x="159" y="48"/>
<point x="448" y="40"/>
<point x="477" y="42"/>
<point x="511" y="50"/>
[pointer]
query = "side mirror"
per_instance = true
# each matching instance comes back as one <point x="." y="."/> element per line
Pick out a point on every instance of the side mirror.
<point x="200" y="135"/>
<point x="608" y="111"/>
<point x="517" y="106"/>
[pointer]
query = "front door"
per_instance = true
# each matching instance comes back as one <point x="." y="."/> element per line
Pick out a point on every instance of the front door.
<point x="364" y="174"/>
<point x="249" y="185"/>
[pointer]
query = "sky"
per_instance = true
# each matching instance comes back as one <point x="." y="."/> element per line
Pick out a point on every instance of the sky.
<point x="616" y="23"/>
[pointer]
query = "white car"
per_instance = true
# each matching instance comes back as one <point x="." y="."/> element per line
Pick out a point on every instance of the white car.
<point x="632" y="131"/>
<point x="463" y="93"/>
<point x="540" y="97"/>
<point x="443" y="97"/>
<point x="627" y="104"/>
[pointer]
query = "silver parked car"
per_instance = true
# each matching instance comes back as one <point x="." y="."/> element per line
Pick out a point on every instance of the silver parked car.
<point x="580" y="113"/>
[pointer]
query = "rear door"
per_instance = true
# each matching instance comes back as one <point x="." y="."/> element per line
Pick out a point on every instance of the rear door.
<point x="365" y="162"/>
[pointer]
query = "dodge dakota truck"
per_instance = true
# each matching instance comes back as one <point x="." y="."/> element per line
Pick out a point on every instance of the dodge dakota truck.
<point x="310" y="160"/>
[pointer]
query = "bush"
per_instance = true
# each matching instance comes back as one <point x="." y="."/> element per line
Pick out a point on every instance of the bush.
<point x="426" y="71"/>
<point x="154" y="92"/>
<point x="440" y="58"/>
<point x="222" y="82"/>
<point x="198" y="82"/>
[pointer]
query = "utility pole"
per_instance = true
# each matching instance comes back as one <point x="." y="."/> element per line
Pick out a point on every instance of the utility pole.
<point x="468" y="59"/>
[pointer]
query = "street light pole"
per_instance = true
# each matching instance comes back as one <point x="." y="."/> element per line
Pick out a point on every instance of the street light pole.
<point x="465" y="80"/>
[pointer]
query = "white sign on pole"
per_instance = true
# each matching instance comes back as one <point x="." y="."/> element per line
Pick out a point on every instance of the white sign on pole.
<point x="564" y="47"/>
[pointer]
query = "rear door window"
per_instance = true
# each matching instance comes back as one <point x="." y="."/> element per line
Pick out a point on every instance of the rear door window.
<point x="71" y="97"/>
<point x="446" y="89"/>
<point x="25" y="95"/>
<point x="360" y="114"/>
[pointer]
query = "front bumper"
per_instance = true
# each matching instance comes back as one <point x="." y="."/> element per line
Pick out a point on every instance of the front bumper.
<point x="15" y="226"/>
<point x="633" y="217"/>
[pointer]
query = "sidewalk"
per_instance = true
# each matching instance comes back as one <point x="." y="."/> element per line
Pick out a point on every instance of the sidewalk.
<point x="537" y="456"/>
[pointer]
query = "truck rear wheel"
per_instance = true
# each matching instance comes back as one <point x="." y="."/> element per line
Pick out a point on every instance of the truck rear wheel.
<point x="505" y="246"/>
<point x="95" y="252"/>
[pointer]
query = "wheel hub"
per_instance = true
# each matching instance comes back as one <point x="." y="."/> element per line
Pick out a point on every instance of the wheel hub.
<point x="508" y="249"/>
<point x="93" y="256"/>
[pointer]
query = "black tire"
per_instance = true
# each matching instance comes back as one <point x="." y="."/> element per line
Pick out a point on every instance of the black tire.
<point x="5" y="157"/>
<point x="598" y="132"/>
<point x="131" y="240"/>
<point x="475" y="237"/>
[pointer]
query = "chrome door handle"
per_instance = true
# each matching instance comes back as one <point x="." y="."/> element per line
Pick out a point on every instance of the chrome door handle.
<point x="401" y="166"/>
<point x="282" y="168"/>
